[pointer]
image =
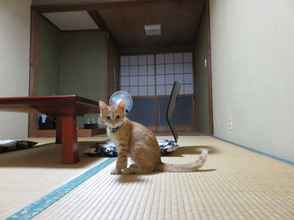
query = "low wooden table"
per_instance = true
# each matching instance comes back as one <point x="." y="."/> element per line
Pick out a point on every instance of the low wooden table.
<point x="64" y="108"/>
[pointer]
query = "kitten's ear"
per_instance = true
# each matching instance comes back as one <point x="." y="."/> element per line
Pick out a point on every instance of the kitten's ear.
<point x="102" y="106"/>
<point x="121" y="106"/>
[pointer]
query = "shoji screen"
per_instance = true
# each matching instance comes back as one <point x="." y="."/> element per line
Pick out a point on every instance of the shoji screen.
<point x="174" y="67"/>
<point x="137" y="75"/>
<point x="153" y="75"/>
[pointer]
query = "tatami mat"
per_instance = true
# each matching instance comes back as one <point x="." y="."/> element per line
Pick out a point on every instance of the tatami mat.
<point x="234" y="184"/>
<point x="27" y="175"/>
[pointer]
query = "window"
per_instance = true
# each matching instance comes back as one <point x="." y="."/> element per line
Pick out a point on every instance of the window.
<point x="151" y="75"/>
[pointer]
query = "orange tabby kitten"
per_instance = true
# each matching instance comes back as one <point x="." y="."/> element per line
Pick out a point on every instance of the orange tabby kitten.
<point x="138" y="142"/>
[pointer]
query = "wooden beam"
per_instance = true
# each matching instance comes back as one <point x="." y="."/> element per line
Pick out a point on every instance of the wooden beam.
<point x="98" y="20"/>
<point x="152" y="50"/>
<point x="100" y="5"/>
<point x="50" y="22"/>
<point x="102" y="25"/>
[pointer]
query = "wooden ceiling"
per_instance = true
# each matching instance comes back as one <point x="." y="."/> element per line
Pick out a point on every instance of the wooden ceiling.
<point x="125" y="20"/>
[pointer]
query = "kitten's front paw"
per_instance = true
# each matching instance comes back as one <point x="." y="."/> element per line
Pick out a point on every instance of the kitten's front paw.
<point x="115" y="172"/>
<point x="127" y="171"/>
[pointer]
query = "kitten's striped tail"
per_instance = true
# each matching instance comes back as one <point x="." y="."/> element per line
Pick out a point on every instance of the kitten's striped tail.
<point x="194" y="166"/>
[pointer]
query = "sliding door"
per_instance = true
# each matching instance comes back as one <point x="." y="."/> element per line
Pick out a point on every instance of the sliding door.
<point x="149" y="79"/>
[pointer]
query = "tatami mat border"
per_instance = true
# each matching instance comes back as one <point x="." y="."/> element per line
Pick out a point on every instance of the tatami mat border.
<point x="33" y="209"/>
<point x="257" y="151"/>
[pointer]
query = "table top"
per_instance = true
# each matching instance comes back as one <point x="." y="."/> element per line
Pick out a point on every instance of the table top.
<point x="61" y="104"/>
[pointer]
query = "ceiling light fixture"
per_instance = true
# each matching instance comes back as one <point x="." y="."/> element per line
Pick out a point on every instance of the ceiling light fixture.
<point x="152" y="29"/>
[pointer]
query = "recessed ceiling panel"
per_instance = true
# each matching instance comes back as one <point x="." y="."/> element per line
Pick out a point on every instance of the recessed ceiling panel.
<point x="154" y="24"/>
<point x="72" y="20"/>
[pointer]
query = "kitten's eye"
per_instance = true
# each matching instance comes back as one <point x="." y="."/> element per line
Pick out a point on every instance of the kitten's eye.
<point x="108" y="118"/>
<point x="117" y="117"/>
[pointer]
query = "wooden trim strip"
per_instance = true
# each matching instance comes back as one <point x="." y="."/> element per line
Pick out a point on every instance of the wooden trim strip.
<point x="209" y="64"/>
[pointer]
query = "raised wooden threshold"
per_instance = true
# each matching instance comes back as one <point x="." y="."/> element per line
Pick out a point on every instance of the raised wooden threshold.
<point x="82" y="132"/>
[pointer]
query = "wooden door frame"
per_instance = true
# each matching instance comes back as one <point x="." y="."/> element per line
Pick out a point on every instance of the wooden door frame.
<point x="206" y="9"/>
<point x="154" y="51"/>
<point x="34" y="60"/>
<point x="33" y="130"/>
<point x="209" y="65"/>
<point x="34" y="65"/>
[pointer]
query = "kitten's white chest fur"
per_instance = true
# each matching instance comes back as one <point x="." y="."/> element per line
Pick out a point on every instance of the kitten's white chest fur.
<point x="111" y="135"/>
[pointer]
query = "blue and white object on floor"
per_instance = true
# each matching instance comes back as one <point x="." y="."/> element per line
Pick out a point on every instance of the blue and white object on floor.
<point x="108" y="149"/>
<point x="12" y="145"/>
<point x="167" y="146"/>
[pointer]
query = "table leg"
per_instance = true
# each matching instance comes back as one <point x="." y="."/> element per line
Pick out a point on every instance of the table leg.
<point x="69" y="138"/>
<point x="58" y="139"/>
